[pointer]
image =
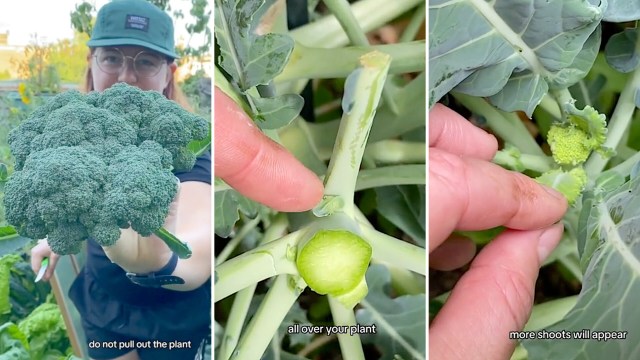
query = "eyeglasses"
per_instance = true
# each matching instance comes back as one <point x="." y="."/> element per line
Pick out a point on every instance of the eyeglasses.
<point x="145" y="64"/>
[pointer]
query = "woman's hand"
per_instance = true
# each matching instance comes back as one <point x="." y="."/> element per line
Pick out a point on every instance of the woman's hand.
<point x="468" y="192"/>
<point x="189" y="219"/>
<point x="39" y="253"/>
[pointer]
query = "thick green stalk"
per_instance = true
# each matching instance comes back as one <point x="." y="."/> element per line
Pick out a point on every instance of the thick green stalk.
<point x="362" y="94"/>
<point x="274" y="307"/>
<point x="506" y="125"/>
<point x="342" y="11"/>
<point x="397" y="151"/>
<point x="618" y="124"/>
<point x="414" y="25"/>
<point x="228" y="249"/>
<point x="350" y="345"/>
<point x="391" y="175"/>
<point x="237" y="316"/>
<point x="243" y="298"/>
<point x="261" y="263"/>
<point x="328" y="33"/>
<point x="395" y="251"/>
<point x="526" y="161"/>
<point x="319" y="63"/>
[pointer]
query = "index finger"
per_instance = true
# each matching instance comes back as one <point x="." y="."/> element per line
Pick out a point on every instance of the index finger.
<point x="258" y="167"/>
<point x="472" y="194"/>
<point x="451" y="132"/>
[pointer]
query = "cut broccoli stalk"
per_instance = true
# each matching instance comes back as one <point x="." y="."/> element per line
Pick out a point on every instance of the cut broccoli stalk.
<point x="333" y="259"/>
<point x="182" y="249"/>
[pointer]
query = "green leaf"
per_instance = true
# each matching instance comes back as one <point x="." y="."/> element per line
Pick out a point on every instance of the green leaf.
<point x="620" y="51"/>
<point x="10" y="240"/>
<point x="13" y="343"/>
<point x="249" y="58"/>
<point x="404" y="207"/>
<point x="622" y="10"/>
<point x="6" y="263"/>
<point x="507" y="50"/>
<point x="276" y="112"/>
<point x="611" y="284"/>
<point x="3" y="172"/>
<point x="400" y="322"/>
<point x="228" y="203"/>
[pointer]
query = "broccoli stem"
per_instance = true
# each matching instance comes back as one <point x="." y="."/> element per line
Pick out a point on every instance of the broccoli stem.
<point x="350" y="345"/>
<point x="274" y="307"/>
<point x="618" y="124"/>
<point x="176" y="245"/>
<point x="362" y="94"/>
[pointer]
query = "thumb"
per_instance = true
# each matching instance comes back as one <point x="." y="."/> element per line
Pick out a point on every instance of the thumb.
<point x="493" y="297"/>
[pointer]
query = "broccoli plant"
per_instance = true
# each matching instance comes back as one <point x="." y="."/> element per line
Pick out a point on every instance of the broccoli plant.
<point x="557" y="82"/>
<point x="88" y="165"/>
<point x="328" y="271"/>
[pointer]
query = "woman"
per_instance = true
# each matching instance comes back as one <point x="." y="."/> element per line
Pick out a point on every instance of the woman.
<point x="133" y="42"/>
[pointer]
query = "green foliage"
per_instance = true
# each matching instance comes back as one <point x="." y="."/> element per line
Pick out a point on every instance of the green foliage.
<point x="88" y="165"/>
<point x="520" y="64"/>
<point x="373" y="102"/>
<point x="397" y="320"/>
<point x="251" y="60"/>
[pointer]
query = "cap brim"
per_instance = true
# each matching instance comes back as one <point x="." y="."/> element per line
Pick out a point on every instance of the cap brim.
<point x="126" y="41"/>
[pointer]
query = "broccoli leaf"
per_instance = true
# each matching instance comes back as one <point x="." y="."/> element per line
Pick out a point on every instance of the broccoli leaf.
<point x="404" y="207"/>
<point x="251" y="59"/>
<point x="400" y="322"/>
<point x="228" y="203"/>
<point x="276" y="112"/>
<point x="611" y="285"/>
<point x="622" y="10"/>
<point x="507" y="50"/>
<point x="6" y="263"/>
<point x="621" y="52"/>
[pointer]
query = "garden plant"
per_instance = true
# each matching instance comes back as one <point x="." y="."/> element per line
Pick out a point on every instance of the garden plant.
<point x="557" y="82"/>
<point x="346" y="278"/>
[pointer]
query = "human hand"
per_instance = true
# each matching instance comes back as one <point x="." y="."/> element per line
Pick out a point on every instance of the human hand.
<point x="38" y="253"/>
<point x="256" y="166"/>
<point x="468" y="192"/>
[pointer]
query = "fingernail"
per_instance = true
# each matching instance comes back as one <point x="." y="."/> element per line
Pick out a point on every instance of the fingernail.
<point x="553" y="192"/>
<point x="548" y="241"/>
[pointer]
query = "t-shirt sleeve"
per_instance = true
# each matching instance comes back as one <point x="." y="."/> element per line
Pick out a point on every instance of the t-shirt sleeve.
<point x="201" y="170"/>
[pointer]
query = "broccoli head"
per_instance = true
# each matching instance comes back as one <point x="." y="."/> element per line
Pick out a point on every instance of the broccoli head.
<point x="569" y="145"/>
<point x="88" y="165"/>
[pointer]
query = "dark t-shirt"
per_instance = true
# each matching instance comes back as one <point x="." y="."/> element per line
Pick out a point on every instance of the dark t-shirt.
<point x="106" y="298"/>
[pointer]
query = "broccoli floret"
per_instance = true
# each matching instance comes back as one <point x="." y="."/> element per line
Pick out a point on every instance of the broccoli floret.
<point x="142" y="187"/>
<point x="48" y="196"/>
<point x="90" y="165"/>
<point x="569" y="145"/>
<point x="570" y="183"/>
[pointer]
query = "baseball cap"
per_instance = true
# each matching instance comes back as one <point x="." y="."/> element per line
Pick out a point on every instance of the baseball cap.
<point x="134" y="22"/>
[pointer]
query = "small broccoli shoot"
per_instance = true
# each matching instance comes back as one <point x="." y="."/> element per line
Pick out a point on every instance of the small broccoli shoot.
<point x="570" y="183"/>
<point x="572" y="142"/>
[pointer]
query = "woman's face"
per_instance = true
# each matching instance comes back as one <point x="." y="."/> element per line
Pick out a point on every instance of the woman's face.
<point x="110" y="65"/>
